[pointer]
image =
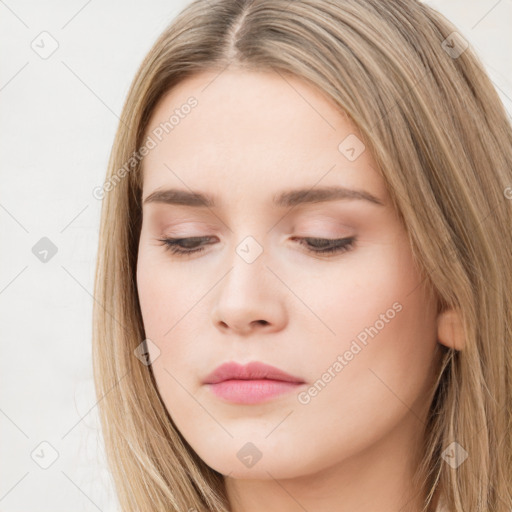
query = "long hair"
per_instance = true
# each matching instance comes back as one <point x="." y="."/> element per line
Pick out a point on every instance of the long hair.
<point x="437" y="129"/>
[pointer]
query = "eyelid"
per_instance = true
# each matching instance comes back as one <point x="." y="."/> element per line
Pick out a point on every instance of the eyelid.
<point x="186" y="230"/>
<point x="333" y="247"/>
<point x="323" y="222"/>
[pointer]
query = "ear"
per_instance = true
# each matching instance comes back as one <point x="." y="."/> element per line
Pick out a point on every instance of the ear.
<point x="450" y="331"/>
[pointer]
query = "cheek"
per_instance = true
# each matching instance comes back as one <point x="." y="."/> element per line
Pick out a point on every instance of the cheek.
<point x="172" y="310"/>
<point x="153" y="299"/>
<point x="377" y="285"/>
<point x="383" y="325"/>
<point x="165" y="291"/>
<point x="377" y="370"/>
<point x="157" y="298"/>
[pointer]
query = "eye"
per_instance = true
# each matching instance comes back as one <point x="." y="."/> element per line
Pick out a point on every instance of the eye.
<point x="184" y="246"/>
<point x="328" y="245"/>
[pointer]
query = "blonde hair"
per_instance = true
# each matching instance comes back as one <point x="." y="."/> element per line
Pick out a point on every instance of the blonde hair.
<point x="440" y="135"/>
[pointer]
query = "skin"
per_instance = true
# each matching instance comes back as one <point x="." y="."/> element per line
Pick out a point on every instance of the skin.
<point x="354" y="446"/>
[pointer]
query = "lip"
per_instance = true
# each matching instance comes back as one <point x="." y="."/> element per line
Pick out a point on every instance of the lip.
<point x="251" y="371"/>
<point x="252" y="383"/>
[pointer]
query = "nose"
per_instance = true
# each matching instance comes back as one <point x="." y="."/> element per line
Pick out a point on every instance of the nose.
<point x="250" y="298"/>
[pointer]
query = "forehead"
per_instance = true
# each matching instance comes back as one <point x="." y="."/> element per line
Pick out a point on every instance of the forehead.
<point x="257" y="130"/>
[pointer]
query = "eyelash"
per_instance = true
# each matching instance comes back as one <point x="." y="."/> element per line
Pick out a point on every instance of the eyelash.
<point x="341" y="245"/>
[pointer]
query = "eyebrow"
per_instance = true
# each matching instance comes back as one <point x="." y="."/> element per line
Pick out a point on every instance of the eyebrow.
<point x="286" y="199"/>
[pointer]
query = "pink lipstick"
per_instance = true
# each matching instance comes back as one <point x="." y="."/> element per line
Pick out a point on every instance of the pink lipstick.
<point x="252" y="383"/>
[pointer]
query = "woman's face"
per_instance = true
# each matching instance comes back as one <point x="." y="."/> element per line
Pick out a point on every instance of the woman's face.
<point x="356" y="326"/>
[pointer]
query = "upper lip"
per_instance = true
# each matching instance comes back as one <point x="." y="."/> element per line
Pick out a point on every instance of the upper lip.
<point x="252" y="370"/>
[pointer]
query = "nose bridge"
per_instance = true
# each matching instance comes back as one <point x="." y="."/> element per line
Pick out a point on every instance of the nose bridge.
<point x="248" y="266"/>
<point x="251" y="243"/>
<point x="247" y="296"/>
<point x="250" y="250"/>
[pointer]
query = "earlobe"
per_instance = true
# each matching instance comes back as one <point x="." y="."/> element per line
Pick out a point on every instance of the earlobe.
<point x="450" y="331"/>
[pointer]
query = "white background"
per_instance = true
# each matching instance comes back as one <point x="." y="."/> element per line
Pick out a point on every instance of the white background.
<point x="58" y="117"/>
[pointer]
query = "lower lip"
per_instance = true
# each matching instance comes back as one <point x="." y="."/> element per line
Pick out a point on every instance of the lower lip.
<point x="252" y="391"/>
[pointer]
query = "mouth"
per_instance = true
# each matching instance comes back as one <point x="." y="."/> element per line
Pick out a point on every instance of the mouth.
<point x="250" y="384"/>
